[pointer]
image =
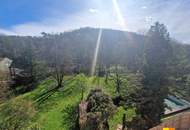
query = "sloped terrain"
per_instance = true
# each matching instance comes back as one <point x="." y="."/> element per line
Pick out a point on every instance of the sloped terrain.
<point x="58" y="112"/>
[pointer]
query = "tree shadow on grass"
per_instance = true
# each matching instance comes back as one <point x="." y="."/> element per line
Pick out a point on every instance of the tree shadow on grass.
<point x="52" y="90"/>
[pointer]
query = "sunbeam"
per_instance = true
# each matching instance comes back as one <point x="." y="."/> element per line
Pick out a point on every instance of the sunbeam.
<point x="119" y="14"/>
<point x="96" y="52"/>
<point x="121" y="19"/>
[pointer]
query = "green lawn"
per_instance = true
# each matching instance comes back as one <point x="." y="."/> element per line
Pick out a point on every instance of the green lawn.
<point x="54" y="113"/>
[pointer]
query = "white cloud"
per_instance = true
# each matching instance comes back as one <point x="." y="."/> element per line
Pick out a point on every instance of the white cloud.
<point x="148" y="19"/>
<point x="6" y="32"/>
<point x="144" y="7"/>
<point x="61" y="23"/>
<point x="91" y="10"/>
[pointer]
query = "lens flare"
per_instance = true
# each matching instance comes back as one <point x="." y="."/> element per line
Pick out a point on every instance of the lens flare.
<point x="121" y="19"/>
<point x="96" y="52"/>
<point x="119" y="14"/>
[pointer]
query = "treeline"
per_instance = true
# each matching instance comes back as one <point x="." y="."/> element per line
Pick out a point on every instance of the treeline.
<point x="117" y="47"/>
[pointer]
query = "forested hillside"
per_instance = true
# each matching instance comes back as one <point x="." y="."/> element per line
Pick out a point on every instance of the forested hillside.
<point x="117" y="47"/>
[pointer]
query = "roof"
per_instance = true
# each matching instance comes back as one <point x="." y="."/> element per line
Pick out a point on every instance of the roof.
<point x="180" y="121"/>
<point x="175" y="105"/>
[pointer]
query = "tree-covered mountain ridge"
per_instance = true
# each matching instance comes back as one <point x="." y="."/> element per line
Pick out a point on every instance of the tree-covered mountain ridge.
<point x="116" y="47"/>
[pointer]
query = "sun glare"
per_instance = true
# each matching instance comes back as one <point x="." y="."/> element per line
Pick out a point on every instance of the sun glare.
<point x="96" y="52"/>
<point x="119" y="14"/>
<point x="121" y="19"/>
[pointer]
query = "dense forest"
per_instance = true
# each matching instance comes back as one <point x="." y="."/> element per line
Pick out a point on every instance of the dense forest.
<point x="142" y="70"/>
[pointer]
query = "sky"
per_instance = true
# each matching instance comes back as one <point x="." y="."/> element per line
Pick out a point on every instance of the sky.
<point x="31" y="17"/>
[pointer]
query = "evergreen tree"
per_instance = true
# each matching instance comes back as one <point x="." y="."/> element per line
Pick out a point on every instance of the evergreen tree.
<point x="157" y="54"/>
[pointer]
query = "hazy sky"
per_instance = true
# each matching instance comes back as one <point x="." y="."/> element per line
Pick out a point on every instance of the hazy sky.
<point x="31" y="17"/>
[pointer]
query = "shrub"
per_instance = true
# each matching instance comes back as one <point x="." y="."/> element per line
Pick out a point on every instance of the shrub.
<point x="100" y="102"/>
<point x="100" y="107"/>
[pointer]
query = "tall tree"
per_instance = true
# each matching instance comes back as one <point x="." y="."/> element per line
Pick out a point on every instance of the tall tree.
<point x="157" y="55"/>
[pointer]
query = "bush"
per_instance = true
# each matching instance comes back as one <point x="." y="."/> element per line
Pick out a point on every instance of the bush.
<point x="100" y="107"/>
<point x="16" y="115"/>
<point x="100" y="102"/>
